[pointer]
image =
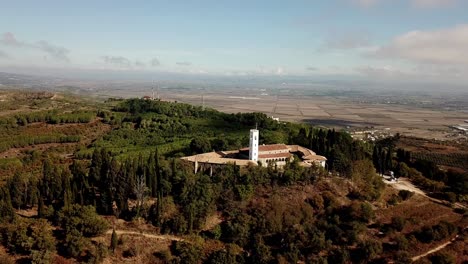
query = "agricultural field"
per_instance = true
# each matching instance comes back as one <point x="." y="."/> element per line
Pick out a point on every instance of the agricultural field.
<point x="331" y="111"/>
<point x="447" y="154"/>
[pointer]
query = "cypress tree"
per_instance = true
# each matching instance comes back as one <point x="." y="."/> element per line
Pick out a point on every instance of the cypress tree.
<point x="375" y="159"/>
<point x="150" y="174"/>
<point x="80" y="182"/>
<point x="95" y="169"/>
<point x="388" y="160"/>
<point x="114" y="240"/>
<point x="67" y="192"/>
<point x="47" y="172"/>
<point x="383" y="164"/>
<point x="158" y="186"/>
<point x="302" y="136"/>
<point x="7" y="213"/>
<point x="40" y="207"/>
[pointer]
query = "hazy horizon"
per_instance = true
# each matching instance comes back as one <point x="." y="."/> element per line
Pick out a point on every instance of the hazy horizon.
<point x="398" y="41"/>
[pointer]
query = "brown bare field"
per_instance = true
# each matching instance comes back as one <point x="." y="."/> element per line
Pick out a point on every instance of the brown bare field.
<point x="88" y="131"/>
<point x="423" y="145"/>
<point x="18" y="152"/>
<point x="419" y="211"/>
<point x="333" y="112"/>
<point x="137" y="237"/>
<point x="446" y="154"/>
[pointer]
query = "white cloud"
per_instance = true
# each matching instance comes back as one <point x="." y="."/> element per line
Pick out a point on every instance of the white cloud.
<point x="365" y="3"/>
<point x="423" y="4"/>
<point x="347" y="40"/>
<point x="184" y="63"/>
<point x="382" y="72"/>
<point x="436" y="55"/>
<point x="140" y="64"/>
<point x="3" y="55"/>
<point x="155" y="62"/>
<point x="9" y="39"/>
<point x="445" y="46"/>
<point x="117" y="61"/>
<point x="433" y="3"/>
<point x="54" y="51"/>
<point x="279" y="71"/>
<point x="424" y="73"/>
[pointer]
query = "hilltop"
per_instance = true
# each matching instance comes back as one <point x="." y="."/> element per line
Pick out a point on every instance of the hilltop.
<point x="77" y="168"/>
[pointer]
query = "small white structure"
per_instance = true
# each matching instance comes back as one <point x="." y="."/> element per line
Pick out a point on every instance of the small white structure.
<point x="275" y="118"/>
<point x="253" y="145"/>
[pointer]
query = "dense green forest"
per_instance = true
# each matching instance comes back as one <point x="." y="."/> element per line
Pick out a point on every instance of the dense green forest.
<point x="133" y="171"/>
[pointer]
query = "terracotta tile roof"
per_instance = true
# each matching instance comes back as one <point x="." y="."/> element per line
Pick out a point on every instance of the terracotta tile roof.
<point x="269" y="147"/>
<point x="315" y="158"/>
<point x="274" y="156"/>
<point x="224" y="157"/>
<point x="302" y="150"/>
<point x="216" y="158"/>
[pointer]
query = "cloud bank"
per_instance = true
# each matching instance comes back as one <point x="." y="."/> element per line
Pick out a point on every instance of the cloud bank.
<point x="348" y="40"/>
<point x="3" y="55"/>
<point x="118" y="61"/>
<point x="444" y="46"/>
<point x="433" y="3"/>
<point x="184" y="63"/>
<point x="155" y="62"/>
<point x="56" y="52"/>
<point x="420" y="4"/>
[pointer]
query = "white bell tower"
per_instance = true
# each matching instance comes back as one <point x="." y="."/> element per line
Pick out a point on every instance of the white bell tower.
<point x="253" y="146"/>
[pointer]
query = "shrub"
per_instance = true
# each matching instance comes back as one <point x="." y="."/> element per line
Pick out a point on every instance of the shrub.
<point x="97" y="253"/>
<point x="84" y="219"/>
<point x="451" y="197"/>
<point x="442" y="258"/>
<point x="25" y="237"/>
<point x="436" y="233"/>
<point x="401" y="242"/>
<point x="5" y="259"/>
<point x="405" y="194"/>
<point x="185" y="252"/>
<point x="74" y="243"/>
<point x="402" y="257"/>
<point x="394" y="200"/>
<point x="41" y="257"/>
<point x="130" y="252"/>
<point x="164" y="256"/>
<point x="16" y="239"/>
<point x="398" y="223"/>
<point x="369" y="249"/>
<point x="339" y="256"/>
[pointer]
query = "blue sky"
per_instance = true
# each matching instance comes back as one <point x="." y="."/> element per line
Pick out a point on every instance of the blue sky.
<point x="390" y="39"/>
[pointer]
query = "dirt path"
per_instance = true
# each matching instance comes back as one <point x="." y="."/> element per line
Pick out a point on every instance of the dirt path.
<point x="405" y="184"/>
<point x="440" y="247"/>
<point x="153" y="236"/>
